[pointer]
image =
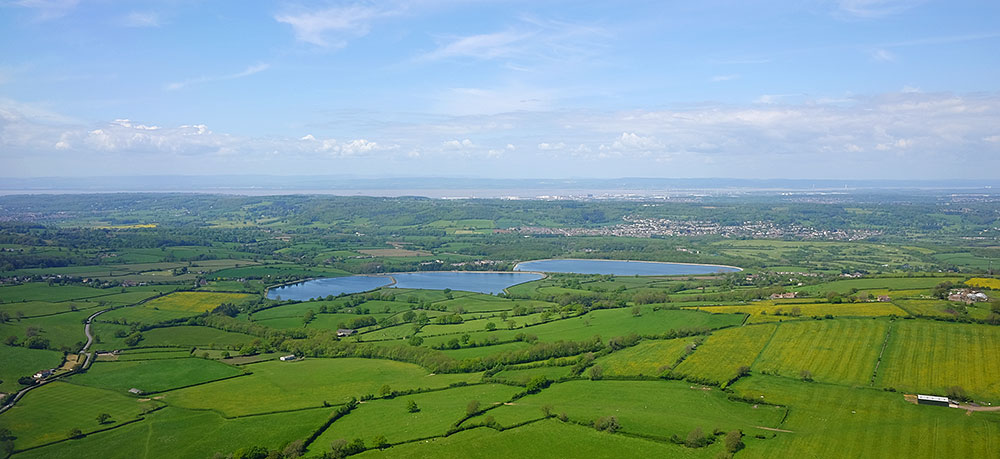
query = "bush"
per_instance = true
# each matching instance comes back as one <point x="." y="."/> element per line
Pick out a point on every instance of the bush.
<point x="696" y="439"/>
<point x="607" y="424"/>
<point x="734" y="441"/>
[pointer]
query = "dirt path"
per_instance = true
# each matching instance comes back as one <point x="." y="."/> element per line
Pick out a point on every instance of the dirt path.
<point x="772" y="429"/>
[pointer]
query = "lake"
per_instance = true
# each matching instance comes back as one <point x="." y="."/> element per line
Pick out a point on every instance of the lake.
<point x="621" y="267"/>
<point x="469" y="281"/>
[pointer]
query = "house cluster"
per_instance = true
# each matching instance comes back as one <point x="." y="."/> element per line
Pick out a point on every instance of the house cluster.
<point x="784" y="296"/>
<point x="966" y="295"/>
<point x="649" y="227"/>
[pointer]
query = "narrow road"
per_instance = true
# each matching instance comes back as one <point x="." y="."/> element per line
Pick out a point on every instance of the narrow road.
<point x="85" y="350"/>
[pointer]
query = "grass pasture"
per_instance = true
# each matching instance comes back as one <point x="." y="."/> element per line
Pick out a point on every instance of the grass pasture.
<point x="21" y="361"/>
<point x="842" y="422"/>
<point x="42" y="416"/>
<point x="838" y="351"/>
<point x="648" y="358"/>
<point x="869" y="283"/>
<point x="153" y="375"/>
<point x="542" y="440"/>
<point x="193" y="335"/>
<point x="718" y="359"/>
<point x="640" y="407"/>
<point x="770" y="311"/>
<point x="194" y="302"/>
<point x="930" y="357"/>
<point x="521" y="376"/>
<point x="281" y="386"/>
<point x="439" y="410"/>
<point x="178" y="433"/>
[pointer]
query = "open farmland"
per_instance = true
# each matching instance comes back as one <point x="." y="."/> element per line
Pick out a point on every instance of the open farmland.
<point x="648" y="358"/>
<point x="771" y="311"/>
<point x="196" y="302"/>
<point x="282" y="386"/>
<point x="839" y="351"/>
<point x="931" y="357"/>
<point x="438" y="411"/>
<point x="151" y="376"/>
<point x="725" y="352"/>
<point x="836" y="421"/>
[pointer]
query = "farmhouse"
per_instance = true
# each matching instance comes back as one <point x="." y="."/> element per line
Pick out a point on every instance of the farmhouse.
<point x="342" y="332"/>
<point x="287" y="358"/>
<point x="43" y="374"/>
<point x="967" y="296"/>
<point x="135" y="391"/>
<point x="932" y="400"/>
<point x="780" y="296"/>
<point x="884" y="298"/>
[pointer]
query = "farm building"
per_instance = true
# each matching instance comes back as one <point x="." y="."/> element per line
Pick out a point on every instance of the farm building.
<point x="884" y="298"/>
<point x="932" y="400"/>
<point x="43" y="374"/>
<point x="342" y="332"/>
<point x="287" y="358"/>
<point x="779" y="296"/>
<point x="135" y="391"/>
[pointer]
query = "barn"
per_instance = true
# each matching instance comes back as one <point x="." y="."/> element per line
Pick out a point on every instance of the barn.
<point x="932" y="400"/>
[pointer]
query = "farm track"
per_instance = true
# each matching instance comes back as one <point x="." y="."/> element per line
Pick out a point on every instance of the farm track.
<point x="87" y="363"/>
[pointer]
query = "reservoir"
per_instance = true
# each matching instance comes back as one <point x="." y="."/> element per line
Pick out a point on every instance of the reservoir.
<point x="621" y="267"/>
<point x="469" y="281"/>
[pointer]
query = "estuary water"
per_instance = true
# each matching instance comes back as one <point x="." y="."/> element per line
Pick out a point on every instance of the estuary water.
<point x="621" y="267"/>
<point x="469" y="281"/>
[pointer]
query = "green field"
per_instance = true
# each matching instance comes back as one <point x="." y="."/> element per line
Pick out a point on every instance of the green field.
<point x="648" y="358"/>
<point x="725" y="352"/>
<point x="153" y="375"/>
<point x="178" y="433"/>
<point x="195" y="302"/>
<point x="640" y="407"/>
<point x="42" y="416"/>
<point x="192" y="335"/>
<point x="21" y="361"/>
<point x="439" y="410"/>
<point x="545" y="439"/>
<point x="282" y="386"/>
<point x="930" y="357"/>
<point x="842" y="422"/>
<point x="772" y="311"/>
<point x="839" y="351"/>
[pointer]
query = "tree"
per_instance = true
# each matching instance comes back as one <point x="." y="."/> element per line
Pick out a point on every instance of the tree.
<point x="308" y="317"/>
<point x="251" y="452"/>
<point x="537" y="384"/>
<point x="734" y="441"/>
<point x="103" y="418"/>
<point x="596" y="372"/>
<point x="416" y="341"/>
<point x="742" y="371"/>
<point x="547" y="410"/>
<point x="411" y="407"/>
<point x="380" y="442"/>
<point x="472" y="408"/>
<point x="806" y="375"/>
<point x="607" y="424"/>
<point x="294" y="449"/>
<point x="636" y="311"/>
<point x="74" y="434"/>
<point x="696" y="439"/>
<point x="384" y="390"/>
<point x="490" y="326"/>
<point x="958" y="393"/>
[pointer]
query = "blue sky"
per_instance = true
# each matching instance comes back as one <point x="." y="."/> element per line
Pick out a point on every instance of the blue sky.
<point x="808" y="88"/>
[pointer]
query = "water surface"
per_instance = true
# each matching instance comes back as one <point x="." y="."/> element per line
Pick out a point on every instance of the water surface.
<point x="621" y="267"/>
<point x="469" y="281"/>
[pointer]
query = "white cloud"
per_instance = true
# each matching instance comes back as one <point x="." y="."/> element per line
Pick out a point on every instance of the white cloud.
<point x="719" y="78"/>
<point x="529" y="43"/>
<point x="48" y="9"/>
<point x="861" y="136"/>
<point x="551" y="146"/>
<point x="141" y="19"/>
<point x="882" y="55"/>
<point x="458" y="144"/>
<point x="257" y="68"/>
<point x="330" y="27"/>
<point x="876" y="8"/>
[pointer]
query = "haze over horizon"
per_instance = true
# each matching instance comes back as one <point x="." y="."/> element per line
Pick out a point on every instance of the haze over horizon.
<point x="861" y="89"/>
